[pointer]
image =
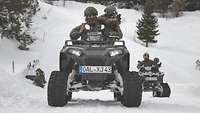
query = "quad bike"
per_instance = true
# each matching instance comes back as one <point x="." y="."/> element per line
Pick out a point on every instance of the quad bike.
<point x="94" y="65"/>
<point x="153" y="81"/>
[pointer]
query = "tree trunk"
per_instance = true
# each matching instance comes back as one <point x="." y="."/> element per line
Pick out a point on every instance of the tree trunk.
<point x="63" y="2"/>
<point x="147" y="44"/>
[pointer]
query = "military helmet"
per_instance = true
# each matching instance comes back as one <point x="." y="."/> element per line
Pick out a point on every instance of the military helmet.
<point x="110" y="10"/>
<point x="90" y="11"/>
<point x="156" y="60"/>
<point x="146" y="55"/>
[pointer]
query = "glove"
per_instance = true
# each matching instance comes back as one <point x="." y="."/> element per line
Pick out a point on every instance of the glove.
<point x="82" y="28"/>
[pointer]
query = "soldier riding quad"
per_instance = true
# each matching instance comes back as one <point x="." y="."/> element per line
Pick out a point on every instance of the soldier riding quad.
<point x="152" y="80"/>
<point x="92" y="65"/>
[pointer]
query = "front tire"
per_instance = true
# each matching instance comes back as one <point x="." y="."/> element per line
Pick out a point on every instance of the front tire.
<point x="132" y="93"/>
<point x="57" y="89"/>
<point x="156" y="94"/>
<point x="69" y="96"/>
<point x="117" y="96"/>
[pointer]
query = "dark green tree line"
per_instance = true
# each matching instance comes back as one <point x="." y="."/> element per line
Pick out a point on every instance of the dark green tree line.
<point x="16" y="18"/>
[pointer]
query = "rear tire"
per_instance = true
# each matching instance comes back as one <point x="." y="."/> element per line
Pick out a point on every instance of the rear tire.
<point x="57" y="89"/>
<point x="132" y="93"/>
<point x="166" y="90"/>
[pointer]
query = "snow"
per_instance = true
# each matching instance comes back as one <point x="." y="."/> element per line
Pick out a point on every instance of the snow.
<point x="177" y="48"/>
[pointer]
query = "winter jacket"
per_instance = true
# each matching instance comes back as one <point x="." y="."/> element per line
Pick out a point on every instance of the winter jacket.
<point x="145" y="63"/>
<point x="39" y="79"/>
<point x="111" y="25"/>
<point x="76" y="34"/>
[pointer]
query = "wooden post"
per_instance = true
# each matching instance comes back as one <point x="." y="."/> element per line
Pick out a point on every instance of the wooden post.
<point x="64" y="3"/>
<point x="146" y="43"/>
<point x="44" y="36"/>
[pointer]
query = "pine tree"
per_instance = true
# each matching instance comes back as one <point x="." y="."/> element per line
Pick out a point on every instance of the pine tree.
<point x="147" y="27"/>
<point x="16" y="19"/>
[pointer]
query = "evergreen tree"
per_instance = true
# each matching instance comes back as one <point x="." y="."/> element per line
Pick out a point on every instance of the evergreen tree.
<point x="15" y="20"/>
<point x="147" y="27"/>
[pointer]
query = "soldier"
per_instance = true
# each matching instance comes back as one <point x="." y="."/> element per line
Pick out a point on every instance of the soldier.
<point x="39" y="79"/>
<point x="111" y="20"/>
<point x="90" y="14"/>
<point x="156" y="65"/>
<point x="145" y="63"/>
<point x="197" y="64"/>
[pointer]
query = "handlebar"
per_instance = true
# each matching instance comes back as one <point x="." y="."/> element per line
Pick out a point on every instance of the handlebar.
<point x="83" y="42"/>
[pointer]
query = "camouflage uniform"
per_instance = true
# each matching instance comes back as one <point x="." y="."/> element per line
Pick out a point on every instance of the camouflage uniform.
<point x="145" y="63"/>
<point x="39" y="79"/>
<point x="156" y="65"/>
<point x="111" y="21"/>
<point x="111" y="26"/>
<point x="90" y="14"/>
<point x="75" y="33"/>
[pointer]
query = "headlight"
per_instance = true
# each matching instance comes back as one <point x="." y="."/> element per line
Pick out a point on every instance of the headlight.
<point x="75" y="52"/>
<point x="115" y="52"/>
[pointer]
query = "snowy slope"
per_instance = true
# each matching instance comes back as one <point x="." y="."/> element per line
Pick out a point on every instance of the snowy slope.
<point x="177" y="49"/>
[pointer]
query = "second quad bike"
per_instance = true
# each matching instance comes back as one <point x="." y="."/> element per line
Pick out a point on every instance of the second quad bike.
<point x="153" y="81"/>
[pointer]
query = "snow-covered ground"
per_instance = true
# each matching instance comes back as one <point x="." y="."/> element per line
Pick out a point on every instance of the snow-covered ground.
<point x="177" y="48"/>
